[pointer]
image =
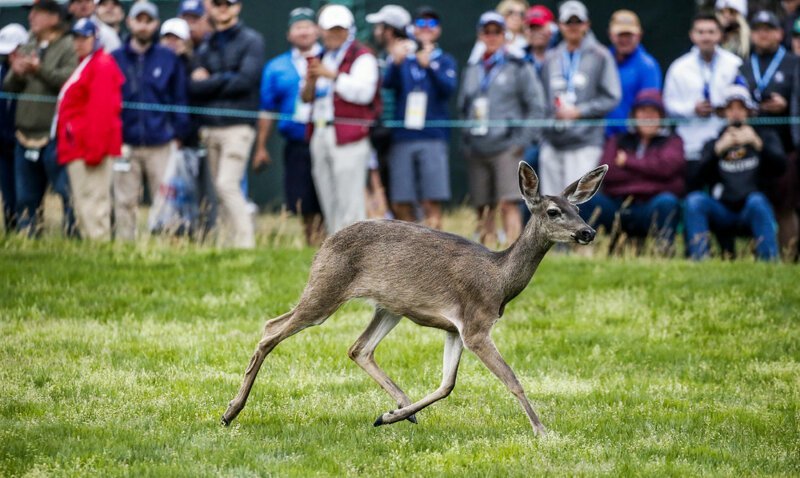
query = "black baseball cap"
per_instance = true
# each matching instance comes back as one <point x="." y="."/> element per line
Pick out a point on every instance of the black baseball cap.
<point x="426" y="12"/>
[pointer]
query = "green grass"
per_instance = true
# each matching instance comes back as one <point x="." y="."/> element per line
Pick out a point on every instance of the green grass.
<point x="120" y="360"/>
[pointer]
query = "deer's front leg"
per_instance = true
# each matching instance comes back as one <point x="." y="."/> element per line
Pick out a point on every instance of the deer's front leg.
<point x="487" y="352"/>
<point x="452" y="355"/>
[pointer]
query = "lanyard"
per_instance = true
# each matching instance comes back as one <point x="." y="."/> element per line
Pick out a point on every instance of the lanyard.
<point x="763" y="81"/>
<point x="569" y="66"/>
<point x="707" y="72"/>
<point x="496" y="62"/>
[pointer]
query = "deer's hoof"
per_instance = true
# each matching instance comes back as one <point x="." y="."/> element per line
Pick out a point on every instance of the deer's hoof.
<point x="378" y="422"/>
<point x="225" y="422"/>
<point x="412" y="419"/>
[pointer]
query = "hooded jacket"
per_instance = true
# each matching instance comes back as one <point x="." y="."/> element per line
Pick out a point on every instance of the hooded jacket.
<point x="597" y="92"/>
<point x="514" y="92"/>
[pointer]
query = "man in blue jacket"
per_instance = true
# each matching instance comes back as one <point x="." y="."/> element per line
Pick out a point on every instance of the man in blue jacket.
<point x="154" y="75"/>
<point x="280" y="93"/>
<point x="423" y="82"/>
<point x="638" y="70"/>
<point x="227" y="75"/>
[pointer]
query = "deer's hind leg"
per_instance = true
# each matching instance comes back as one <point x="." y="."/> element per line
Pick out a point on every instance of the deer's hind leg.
<point x="362" y="352"/>
<point x="306" y="314"/>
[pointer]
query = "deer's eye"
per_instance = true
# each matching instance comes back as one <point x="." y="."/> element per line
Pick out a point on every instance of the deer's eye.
<point x="553" y="213"/>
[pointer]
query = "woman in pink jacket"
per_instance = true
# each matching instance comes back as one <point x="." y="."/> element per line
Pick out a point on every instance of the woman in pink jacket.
<point x="90" y="130"/>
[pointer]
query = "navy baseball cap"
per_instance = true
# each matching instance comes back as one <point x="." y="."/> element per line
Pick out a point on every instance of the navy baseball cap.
<point x="765" y="17"/>
<point x="191" y="7"/>
<point x="84" y="28"/>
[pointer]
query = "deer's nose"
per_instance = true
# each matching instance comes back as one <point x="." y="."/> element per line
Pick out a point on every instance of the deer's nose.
<point x="585" y="235"/>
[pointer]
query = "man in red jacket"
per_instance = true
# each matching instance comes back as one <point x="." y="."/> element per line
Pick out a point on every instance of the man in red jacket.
<point x="342" y="87"/>
<point x="90" y="130"/>
<point x="645" y="177"/>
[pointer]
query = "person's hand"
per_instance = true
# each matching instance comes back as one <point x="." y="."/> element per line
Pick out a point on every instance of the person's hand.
<point x="399" y="50"/>
<point x="703" y="108"/>
<point x="774" y="104"/>
<point x="200" y="74"/>
<point x="568" y="112"/>
<point x="261" y="159"/>
<point x="19" y="64"/>
<point x="34" y="64"/>
<point x="424" y="55"/>
<point x="747" y="135"/>
<point x="727" y="141"/>
<point x="316" y="70"/>
<point x="621" y="158"/>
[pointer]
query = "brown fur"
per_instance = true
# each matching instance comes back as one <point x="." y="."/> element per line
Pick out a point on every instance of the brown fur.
<point x="433" y="278"/>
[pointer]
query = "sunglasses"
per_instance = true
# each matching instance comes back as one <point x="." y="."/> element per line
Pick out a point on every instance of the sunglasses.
<point x="426" y="23"/>
<point x="219" y="3"/>
<point x="493" y="32"/>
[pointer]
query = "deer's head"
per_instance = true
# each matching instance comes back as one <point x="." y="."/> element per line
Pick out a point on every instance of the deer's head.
<point x="557" y="216"/>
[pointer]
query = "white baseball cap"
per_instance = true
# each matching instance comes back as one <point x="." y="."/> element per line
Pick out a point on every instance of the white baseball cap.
<point x="738" y="5"/>
<point x="12" y="36"/>
<point x="177" y="27"/>
<point x="335" y="16"/>
<point x="393" y="15"/>
<point x="736" y="92"/>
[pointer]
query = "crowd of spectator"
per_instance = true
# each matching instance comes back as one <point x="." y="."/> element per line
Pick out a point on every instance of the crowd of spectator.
<point x="716" y="173"/>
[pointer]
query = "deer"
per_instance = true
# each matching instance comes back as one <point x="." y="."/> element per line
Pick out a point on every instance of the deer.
<point x="435" y="279"/>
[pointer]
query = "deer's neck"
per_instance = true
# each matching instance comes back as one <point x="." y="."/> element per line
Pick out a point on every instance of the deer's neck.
<point x="520" y="261"/>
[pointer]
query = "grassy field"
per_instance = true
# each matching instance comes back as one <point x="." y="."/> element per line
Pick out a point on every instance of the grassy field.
<point x="120" y="360"/>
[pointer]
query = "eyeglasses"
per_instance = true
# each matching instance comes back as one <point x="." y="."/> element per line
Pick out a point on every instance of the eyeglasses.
<point x="518" y="13"/>
<point x="426" y="23"/>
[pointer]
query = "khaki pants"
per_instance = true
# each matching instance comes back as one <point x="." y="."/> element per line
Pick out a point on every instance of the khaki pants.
<point x="340" y="176"/>
<point x="150" y="160"/>
<point x="228" y="153"/>
<point x="91" y="198"/>
<point x="560" y="168"/>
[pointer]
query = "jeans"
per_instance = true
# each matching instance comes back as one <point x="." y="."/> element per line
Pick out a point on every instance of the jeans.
<point x="705" y="214"/>
<point x="7" y="186"/>
<point x="661" y="212"/>
<point x="32" y="174"/>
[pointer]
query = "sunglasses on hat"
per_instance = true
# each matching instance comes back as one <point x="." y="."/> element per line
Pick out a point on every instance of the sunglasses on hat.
<point x="426" y="23"/>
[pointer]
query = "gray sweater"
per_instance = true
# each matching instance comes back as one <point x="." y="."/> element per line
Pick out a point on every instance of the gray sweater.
<point x="515" y="93"/>
<point x="597" y="90"/>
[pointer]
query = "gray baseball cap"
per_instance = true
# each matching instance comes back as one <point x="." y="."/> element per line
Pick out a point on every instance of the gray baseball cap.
<point x="147" y="8"/>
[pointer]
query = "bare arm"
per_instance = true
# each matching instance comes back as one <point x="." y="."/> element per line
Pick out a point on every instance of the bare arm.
<point x="309" y="90"/>
<point x="261" y="157"/>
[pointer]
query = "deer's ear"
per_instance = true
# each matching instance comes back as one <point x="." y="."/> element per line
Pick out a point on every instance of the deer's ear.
<point x="528" y="183"/>
<point x="583" y="189"/>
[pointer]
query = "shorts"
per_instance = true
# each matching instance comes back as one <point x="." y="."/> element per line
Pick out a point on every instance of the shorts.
<point x="298" y="185"/>
<point x="419" y="171"/>
<point x="494" y="178"/>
